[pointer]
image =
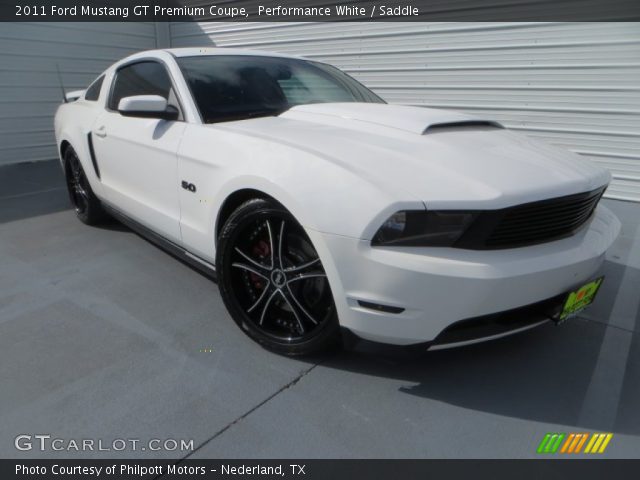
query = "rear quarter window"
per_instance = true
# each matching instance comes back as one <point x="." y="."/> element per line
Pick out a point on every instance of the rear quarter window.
<point x="93" y="92"/>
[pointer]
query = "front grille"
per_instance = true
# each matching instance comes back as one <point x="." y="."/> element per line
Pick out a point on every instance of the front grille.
<point x="543" y="221"/>
<point x="531" y="223"/>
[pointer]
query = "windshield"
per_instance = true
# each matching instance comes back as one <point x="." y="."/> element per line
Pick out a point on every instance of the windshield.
<point x="236" y="87"/>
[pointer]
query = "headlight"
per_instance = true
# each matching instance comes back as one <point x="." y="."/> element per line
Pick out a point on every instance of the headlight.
<point x="423" y="228"/>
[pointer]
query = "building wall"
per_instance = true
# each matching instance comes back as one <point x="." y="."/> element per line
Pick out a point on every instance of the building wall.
<point x="575" y="85"/>
<point x="29" y="86"/>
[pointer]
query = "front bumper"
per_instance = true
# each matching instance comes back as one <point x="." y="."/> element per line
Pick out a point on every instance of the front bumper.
<point x="437" y="287"/>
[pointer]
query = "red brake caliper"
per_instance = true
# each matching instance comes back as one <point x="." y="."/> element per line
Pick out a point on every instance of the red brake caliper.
<point x="262" y="250"/>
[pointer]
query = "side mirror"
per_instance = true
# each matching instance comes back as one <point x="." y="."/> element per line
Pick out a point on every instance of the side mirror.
<point x="147" y="106"/>
<point x="73" y="96"/>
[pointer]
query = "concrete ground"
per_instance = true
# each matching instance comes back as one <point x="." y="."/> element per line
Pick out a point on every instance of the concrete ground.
<point x="104" y="336"/>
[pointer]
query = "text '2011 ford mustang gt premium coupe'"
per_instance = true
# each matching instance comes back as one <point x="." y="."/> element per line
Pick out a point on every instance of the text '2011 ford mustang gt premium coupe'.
<point x="321" y="209"/>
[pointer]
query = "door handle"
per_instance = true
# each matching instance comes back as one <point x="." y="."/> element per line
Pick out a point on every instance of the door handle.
<point x="101" y="132"/>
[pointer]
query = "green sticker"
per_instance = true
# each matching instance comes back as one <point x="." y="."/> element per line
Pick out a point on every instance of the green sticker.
<point x="580" y="298"/>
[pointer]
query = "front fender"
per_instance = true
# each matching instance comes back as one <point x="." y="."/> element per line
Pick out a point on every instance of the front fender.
<point x="322" y="194"/>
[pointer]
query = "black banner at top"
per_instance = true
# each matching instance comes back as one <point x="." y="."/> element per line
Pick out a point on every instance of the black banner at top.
<point x="318" y="10"/>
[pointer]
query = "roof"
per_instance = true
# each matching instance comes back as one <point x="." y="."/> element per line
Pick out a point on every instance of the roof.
<point x="204" y="51"/>
<point x="194" y="52"/>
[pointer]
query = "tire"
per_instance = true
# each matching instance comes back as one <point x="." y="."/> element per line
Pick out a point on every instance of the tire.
<point x="272" y="281"/>
<point x="87" y="206"/>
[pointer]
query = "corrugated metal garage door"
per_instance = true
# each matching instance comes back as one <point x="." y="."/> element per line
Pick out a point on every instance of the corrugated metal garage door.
<point x="576" y="85"/>
<point x="29" y="87"/>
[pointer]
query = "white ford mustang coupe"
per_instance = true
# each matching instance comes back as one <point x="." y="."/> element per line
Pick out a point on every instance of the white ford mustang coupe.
<point x="322" y="210"/>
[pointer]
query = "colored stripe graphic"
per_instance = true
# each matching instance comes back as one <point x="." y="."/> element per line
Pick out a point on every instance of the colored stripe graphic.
<point x="574" y="444"/>
<point x="565" y="447"/>
<point x="557" y="443"/>
<point x="594" y="437"/>
<point x="547" y="448"/>
<point x="598" y="443"/>
<point x="543" y="443"/>
<point x="581" y="443"/>
<point x="554" y="442"/>
<point x="550" y="443"/>
<point x="605" y="443"/>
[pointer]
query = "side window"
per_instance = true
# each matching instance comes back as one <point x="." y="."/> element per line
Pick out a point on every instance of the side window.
<point x="93" y="92"/>
<point x="144" y="78"/>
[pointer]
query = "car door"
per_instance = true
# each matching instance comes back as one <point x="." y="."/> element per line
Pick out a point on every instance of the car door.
<point x="138" y="156"/>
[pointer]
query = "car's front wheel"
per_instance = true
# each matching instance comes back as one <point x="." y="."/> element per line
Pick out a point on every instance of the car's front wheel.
<point x="273" y="282"/>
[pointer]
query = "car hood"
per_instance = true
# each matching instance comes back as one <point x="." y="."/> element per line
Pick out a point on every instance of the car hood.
<point x="443" y="158"/>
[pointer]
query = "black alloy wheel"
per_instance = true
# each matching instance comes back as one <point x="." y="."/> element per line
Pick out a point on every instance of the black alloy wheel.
<point x="86" y="204"/>
<point x="273" y="282"/>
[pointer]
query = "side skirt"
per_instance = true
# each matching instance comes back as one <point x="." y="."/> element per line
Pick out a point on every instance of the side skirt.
<point x="177" y="251"/>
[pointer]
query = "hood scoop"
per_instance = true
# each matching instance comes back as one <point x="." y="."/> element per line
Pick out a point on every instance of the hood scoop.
<point x="418" y="120"/>
<point x="461" y="125"/>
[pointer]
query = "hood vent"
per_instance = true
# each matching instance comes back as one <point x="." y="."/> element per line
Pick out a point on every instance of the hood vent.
<point x="418" y="120"/>
<point x="438" y="127"/>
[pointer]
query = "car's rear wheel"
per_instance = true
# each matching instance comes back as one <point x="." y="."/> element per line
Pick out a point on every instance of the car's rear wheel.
<point x="273" y="282"/>
<point x="84" y="201"/>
